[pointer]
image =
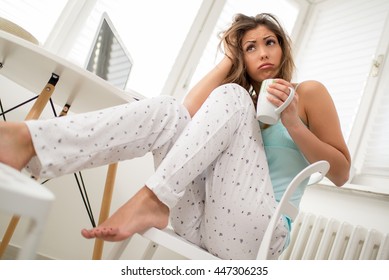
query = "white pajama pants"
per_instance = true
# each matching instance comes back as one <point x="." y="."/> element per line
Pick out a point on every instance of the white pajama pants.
<point x="211" y="171"/>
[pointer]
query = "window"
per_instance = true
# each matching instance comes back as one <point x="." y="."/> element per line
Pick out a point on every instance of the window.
<point x="340" y="45"/>
<point x="153" y="32"/>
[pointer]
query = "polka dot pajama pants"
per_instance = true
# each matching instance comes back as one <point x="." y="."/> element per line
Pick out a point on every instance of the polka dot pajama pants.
<point x="211" y="171"/>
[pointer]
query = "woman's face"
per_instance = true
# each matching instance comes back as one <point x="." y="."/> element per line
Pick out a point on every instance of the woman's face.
<point x="262" y="54"/>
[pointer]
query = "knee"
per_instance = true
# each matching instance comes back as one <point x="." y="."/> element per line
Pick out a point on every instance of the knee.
<point x="232" y="93"/>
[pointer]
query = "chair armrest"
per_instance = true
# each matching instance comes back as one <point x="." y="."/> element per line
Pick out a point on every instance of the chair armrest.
<point x="287" y="208"/>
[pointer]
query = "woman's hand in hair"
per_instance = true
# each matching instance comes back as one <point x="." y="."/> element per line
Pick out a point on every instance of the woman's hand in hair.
<point x="227" y="50"/>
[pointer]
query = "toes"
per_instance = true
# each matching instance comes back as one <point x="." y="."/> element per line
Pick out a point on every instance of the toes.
<point x="112" y="232"/>
<point x="98" y="233"/>
<point x="87" y="233"/>
<point x="104" y="233"/>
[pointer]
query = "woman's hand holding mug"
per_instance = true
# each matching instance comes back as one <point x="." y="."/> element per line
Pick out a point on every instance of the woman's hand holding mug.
<point x="267" y="112"/>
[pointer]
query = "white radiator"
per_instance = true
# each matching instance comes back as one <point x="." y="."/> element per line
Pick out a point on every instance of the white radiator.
<point x="316" y="237"/>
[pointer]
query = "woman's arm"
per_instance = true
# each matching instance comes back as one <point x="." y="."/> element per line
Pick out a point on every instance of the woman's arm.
<point x="312" y="122"/>
<point x="320" y="138"/>
<point x="200" y="92"/>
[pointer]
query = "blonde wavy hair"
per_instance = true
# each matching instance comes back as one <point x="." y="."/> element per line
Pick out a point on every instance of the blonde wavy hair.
<point x="232" y="39"/>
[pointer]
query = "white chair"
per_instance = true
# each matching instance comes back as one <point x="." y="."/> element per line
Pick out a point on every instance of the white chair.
<point x="22" y="196"/>
<point x="285" y="207"/>
<point x="170" y="240"/>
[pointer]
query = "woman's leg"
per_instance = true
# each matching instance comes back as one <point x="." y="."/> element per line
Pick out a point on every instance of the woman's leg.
<point x="68" y="144"/>
<point x="16" y="147"/>
<point x="223" y="143"/>
<point x="187" y="215"/>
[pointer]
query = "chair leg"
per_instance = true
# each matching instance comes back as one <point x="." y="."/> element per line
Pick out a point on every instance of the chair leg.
<point x="118" y="249"/>
<point x="8" y="234"/>
<point x="150" y="251"/>
<point x="28" y="250"/>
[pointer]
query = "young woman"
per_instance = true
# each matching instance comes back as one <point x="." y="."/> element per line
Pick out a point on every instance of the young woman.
<point x="219" y="172"/>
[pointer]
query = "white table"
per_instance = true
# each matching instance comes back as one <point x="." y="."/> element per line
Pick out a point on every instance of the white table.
<point x="31" y="66"/>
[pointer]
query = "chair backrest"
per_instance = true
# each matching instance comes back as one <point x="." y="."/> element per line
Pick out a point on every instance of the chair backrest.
<point x="21" y="195"/>
<point x="285" y="207"/>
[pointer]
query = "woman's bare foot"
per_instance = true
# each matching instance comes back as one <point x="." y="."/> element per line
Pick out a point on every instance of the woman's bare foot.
<point x="16" y="148"/>
<point x="143" y="211"/>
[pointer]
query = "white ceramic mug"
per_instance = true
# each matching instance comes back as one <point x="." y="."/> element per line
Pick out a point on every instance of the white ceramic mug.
<point x="266" y="111"/>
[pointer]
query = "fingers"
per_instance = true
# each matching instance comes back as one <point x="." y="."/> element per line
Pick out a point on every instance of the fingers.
<point x="279" y="91"/>
<point x="277" y="96"/>
<point x="280" y="88"/>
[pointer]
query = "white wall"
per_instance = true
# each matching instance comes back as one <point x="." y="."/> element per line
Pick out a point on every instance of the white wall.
<point x="348" y="204"/>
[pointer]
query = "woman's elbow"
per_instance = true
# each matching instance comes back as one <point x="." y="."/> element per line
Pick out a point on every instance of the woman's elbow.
<point x="341" y="177"/>
<point x="339" y="182"/>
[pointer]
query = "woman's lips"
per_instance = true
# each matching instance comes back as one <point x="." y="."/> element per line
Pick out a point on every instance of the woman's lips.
<point x="265" y="66"/>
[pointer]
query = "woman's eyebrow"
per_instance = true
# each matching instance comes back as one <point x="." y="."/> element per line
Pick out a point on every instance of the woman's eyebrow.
<point x="250" y="41"/>
<point x="268" y="36"/>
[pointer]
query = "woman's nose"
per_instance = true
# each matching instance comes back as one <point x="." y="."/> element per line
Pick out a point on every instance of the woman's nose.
<point x="263" y="55"/>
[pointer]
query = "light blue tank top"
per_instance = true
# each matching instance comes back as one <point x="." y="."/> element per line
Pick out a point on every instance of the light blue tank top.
<point x="284" y="159"/>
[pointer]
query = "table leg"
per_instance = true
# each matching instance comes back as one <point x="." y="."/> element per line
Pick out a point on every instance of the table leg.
<point x="8" y="234"/>
<point x="34" y="113"/>
<point x="105" y="207"/>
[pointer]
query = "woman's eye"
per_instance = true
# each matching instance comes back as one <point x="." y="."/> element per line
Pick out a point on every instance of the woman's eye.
<point x="250" y="48"/>
<point x="270" y="42"/>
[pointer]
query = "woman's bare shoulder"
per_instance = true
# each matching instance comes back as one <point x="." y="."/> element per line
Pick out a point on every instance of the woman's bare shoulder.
<point x="310" y="86"/>
<point x="314" y="99"/>
<point x="312" y="91"/>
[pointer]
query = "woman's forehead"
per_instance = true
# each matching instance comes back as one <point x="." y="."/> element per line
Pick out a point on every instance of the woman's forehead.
<point x="260" y="32"/>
